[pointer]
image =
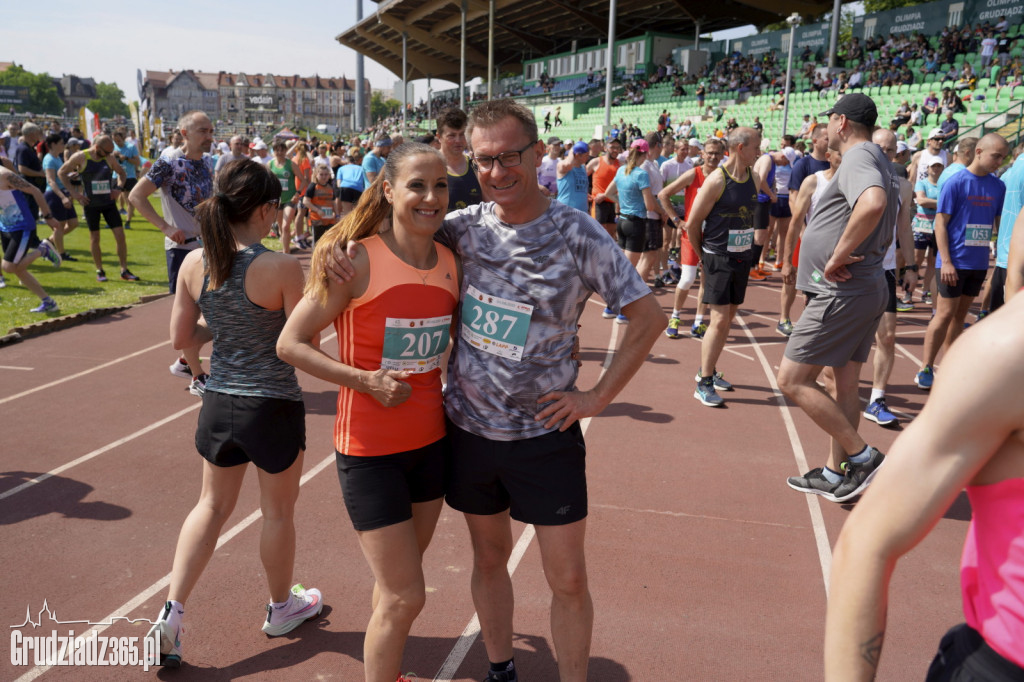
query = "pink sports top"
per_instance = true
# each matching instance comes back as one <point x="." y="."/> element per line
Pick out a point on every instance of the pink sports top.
<point x="992" y="566"/>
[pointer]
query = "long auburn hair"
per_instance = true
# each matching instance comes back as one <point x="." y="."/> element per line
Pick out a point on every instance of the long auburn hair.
<point x="241" y="188"/>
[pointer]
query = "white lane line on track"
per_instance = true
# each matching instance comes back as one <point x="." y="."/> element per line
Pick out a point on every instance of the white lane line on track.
<point x="472" y="630"/>
<point x="142" y="597"/>
<point x="684" y="515"/>
<point x="21" y="369"/>
<point x="813" y="504"/>
<point x="109" y="446"/>
<point x="99" y="451"/>
<point x="82" y="373"/>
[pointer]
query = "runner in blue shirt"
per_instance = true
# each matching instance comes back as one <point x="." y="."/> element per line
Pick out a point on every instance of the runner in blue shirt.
<point x="1012" y="205"/>
<point x="127" y="154"/>
<point x="969" y="209"/>
<point x="373" y="162"/>
<point x="18" y="237"/>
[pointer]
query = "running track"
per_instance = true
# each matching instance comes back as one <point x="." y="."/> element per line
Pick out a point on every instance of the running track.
<point x="704" y="565"/>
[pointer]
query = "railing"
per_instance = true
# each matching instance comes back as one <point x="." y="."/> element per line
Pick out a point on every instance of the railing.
<point x="1009" y="123"/>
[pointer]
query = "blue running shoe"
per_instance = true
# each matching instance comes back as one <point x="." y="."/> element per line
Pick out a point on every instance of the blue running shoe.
<point x="925" y="378"/>
<point x="697" y="330"/>
<point x="49" y="252"/>
<point x="45" y="306"/>
<point x="706" y="393"/>
<point x="879" y="413"/>
<point x="621" y="319"/>
<point x="608" y="314"/>
<point x="720" y="383"/>
<point x="673" y="328"/>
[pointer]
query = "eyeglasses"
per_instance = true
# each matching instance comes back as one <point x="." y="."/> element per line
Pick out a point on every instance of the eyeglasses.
<point x="506" y="159"/>
<point x="274" y="202"/>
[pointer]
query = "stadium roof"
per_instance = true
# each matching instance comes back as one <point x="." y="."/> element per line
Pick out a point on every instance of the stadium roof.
<point x="530" y="29"/>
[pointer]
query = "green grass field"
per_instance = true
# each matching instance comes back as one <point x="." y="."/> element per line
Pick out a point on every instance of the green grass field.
<point x="74" y="285"/>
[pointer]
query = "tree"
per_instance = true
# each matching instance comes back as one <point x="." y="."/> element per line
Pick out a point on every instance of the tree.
<point x="382" y="108"/>
<point x="109" y="101"/>
<point x="42" y="93"/>
<point x="872" y="6"/>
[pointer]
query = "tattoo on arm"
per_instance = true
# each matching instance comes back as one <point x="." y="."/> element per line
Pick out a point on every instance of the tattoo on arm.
<point x="19" y="183"/>
<point x="871" y="650"/>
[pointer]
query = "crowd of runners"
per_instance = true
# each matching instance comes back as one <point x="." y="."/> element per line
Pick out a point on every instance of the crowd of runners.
<point x="475" y="247"/>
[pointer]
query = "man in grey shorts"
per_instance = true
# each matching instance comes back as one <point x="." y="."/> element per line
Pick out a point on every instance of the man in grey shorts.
<point x="841" y="268"/>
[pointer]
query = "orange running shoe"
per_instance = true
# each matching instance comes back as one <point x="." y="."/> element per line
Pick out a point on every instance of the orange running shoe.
<point x="757" y="275"/>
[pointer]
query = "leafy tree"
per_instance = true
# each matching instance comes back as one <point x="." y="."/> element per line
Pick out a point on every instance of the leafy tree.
<point x="381" y="108"/>
<point x="42" y="93"/>
<point x="109" y="101"/>
<point x="871" y="6"/>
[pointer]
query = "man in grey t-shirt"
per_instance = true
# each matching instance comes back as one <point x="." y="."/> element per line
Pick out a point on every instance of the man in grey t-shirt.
<point x="841" y="270"/>
<point x="529" y="266"/>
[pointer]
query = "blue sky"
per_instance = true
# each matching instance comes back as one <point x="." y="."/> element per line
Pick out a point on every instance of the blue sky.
<point x="254" y="36"/>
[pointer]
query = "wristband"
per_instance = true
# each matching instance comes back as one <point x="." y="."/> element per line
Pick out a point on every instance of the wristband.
<point x="48" y="216"/>
<point x="912" y="268"/>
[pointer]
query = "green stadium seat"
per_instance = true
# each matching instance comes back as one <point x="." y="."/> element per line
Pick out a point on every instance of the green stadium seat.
<point x="1018" y="92"/>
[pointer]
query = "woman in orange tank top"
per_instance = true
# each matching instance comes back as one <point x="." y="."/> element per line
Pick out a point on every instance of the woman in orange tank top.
<point x="393" y="321"/>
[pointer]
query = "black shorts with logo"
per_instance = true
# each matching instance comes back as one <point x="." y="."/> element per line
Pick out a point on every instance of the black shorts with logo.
<point x="541" y="480"/>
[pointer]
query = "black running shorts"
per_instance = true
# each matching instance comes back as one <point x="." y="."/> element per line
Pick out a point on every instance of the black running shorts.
<point x="604" y="212"/>
<point x="725" y="279"/>
<point x="235" y="429"/>
<point x="762" y="214"/>
<point x="655" y="236"/>
<point x="968" y="283"/>
<point x="632" y="232"/>
<point x="890" y="281"/>
<point x="964" y="656"/>
<point x="379" y="491"/>
<point x="541" y="480"/>
<point x="111" y="216"/>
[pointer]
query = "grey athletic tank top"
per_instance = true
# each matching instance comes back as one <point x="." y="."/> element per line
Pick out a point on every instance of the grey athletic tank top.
<point x="244" y="359"/>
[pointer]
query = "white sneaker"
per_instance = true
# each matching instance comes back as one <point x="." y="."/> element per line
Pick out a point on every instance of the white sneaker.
<point x="302" y="605"/>
<point x="170" y="636"/>
<point x="180" y="369"/>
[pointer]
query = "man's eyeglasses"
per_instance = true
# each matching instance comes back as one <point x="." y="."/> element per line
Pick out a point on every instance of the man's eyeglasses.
<point x="274" y="202"/>
<point x="506" y="159"/>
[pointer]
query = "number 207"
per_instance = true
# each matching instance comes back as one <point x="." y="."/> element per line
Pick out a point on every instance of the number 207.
<point x="420" y="344"/>
<point x="489" y="325"/>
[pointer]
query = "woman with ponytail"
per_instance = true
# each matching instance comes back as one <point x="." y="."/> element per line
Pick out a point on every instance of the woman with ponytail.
<point x="237" y="293"/>
<point x="393" y="320"/>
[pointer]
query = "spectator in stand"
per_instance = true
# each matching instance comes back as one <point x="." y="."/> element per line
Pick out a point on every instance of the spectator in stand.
<point x="902" y="115"/>
<point x="967" y="80"/>
<point x="1003" y="49"/>
<point x="988" y="48"/>
<point x="950" y="128"/>
<point x="929" y="106"/>
<point x="951" y="102"/>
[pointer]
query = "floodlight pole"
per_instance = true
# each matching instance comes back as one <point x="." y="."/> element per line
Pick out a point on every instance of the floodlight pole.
<point x="462" y="61"/>
<point x="609" y="68"/>
<point x="405" y="82"/>
<point x="360" y="121"/>
<point x="833" y="41"/>
<point x="793" y="20"/>
<point x="490" y="51"/>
